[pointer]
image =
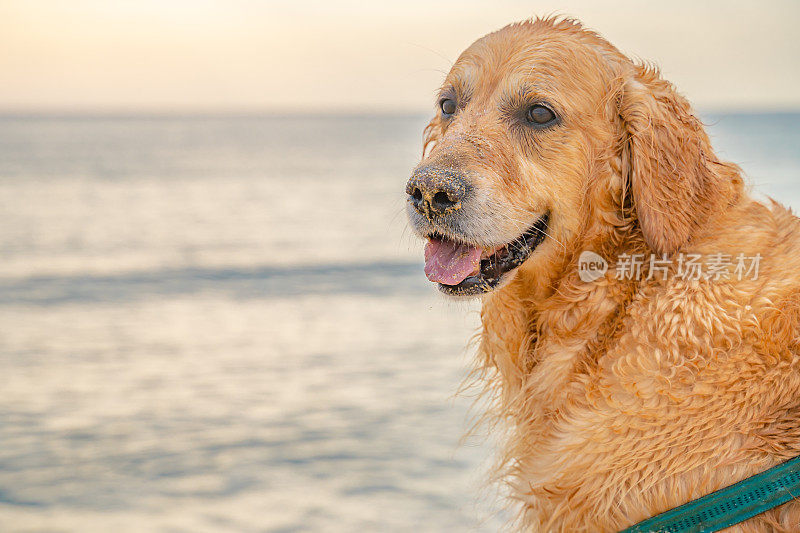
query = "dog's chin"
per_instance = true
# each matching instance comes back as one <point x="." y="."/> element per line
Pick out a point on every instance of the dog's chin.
<point x="500" y="267"/>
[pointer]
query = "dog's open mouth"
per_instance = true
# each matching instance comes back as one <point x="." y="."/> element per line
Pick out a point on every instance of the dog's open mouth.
<point x="464" y="269"/>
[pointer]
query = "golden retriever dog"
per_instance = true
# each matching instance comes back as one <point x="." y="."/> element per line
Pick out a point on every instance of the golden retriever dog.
<point x="629" y="388"/>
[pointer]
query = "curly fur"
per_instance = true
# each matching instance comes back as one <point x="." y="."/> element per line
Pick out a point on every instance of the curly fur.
<point x="621" y="399"/>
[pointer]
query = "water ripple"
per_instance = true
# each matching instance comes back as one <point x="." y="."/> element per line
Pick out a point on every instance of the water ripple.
<point x="376" y="278"/>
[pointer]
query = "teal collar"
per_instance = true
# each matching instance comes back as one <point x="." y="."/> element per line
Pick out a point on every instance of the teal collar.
<point x="730" y="505"/>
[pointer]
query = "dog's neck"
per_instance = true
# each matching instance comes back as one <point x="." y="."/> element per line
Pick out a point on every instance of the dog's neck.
<point x="535" y="322"/>
<point x="542" y="334"/>
<point x="538" y="338"/>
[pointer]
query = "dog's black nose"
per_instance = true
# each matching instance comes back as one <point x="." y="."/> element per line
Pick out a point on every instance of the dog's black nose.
<point x="436" y="190"/>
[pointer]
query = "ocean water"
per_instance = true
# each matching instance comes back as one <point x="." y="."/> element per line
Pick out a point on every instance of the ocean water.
<point x="221" y="324"/>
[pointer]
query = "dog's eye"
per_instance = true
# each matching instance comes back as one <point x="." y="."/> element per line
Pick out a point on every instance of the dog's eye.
<point x="540" y="115"/>
<point x="448" y="106"/>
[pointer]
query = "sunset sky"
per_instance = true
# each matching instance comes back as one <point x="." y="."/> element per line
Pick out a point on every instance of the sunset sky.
<point x="242" y="55"/>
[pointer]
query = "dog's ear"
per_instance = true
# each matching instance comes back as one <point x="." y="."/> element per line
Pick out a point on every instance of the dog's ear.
<point x="672" y="171"/>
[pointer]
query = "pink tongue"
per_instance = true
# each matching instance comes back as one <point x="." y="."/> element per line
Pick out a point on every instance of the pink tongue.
<point x="449" y="263"/>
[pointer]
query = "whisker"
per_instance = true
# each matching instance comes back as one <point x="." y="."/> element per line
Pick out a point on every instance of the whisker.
<point x="432" y="51"/>
<point x="397" y="214"/>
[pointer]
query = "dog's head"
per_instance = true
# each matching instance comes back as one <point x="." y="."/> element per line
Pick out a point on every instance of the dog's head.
<point x="539" y="126"/>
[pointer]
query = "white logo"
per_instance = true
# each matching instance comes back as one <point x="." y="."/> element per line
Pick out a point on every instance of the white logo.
<point x="591" y="266"/>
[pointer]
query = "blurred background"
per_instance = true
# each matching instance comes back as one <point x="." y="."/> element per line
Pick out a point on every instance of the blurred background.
<point x="212" y="314"/>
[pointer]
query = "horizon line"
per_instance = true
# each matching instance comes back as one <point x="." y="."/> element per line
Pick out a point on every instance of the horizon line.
<point x="260" y="112"/>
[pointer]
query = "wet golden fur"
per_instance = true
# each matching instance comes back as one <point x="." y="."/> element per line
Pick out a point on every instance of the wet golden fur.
<point x="622" y="398"/>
